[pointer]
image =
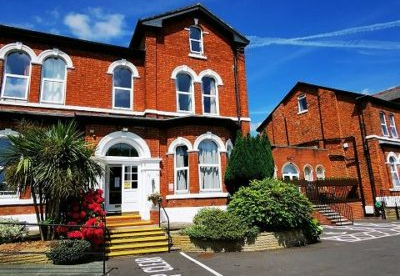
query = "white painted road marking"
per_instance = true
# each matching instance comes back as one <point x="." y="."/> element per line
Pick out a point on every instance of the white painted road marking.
<point x="200" y="264"/>
<point x="155" y="265"/>
<point x="361" y="232"/>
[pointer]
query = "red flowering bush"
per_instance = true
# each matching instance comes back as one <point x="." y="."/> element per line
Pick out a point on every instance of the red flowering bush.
<point x="86" y="211"/>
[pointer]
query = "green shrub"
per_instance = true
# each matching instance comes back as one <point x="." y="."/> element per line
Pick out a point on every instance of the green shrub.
<point x="217" y="225"/>
<point x="312" y="229"/>
<point x="251" y="159"/>
<point x="12" y="232"/>
<point x="69" y="251"/>
<point x="271" y="205"/>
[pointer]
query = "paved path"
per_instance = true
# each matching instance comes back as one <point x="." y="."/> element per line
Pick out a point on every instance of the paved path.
<point x="336" y="255"/>
<point x="360" y="231"/>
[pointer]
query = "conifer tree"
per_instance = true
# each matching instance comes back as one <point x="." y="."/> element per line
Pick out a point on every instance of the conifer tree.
<point x="251" y="159"/>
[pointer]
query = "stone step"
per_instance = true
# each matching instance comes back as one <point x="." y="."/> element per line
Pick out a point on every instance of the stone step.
<point x="129" y="223"/>
<point x="138" y="251"/>
<point x="161" y="237"/>
<point x="136" y="245"/>
<point x="123" y="218"/>
<point x="136" y="234"/>
<point x="134" y="229"/>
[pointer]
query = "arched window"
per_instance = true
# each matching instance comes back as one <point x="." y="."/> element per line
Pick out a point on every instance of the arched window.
<point x="122" y="87"/>
<point x="320" y="173"/>
<point x="122" y="149"/>
<point x="290" y="172"/>
<point x="209" y="166"/>
<point x="54" y="71"/>
<point x="5" y="189"/>
<point x="210" y="95"/>
<point x="308" y="173"/>
<point x="196" y="40"/>
<point x="181" y="169"/>
<point x="17" y="72"/>
<point x="184" y="91"/>
<point x="394" y="172"/>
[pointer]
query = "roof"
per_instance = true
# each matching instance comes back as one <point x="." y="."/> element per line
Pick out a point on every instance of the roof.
<point x="357" y="96"/>
<point x="389" y="94"/>
<point x="157" y="21"/>
<point x="57" y="40"/>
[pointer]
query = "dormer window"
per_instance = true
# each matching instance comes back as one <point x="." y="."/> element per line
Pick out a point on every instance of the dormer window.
<point x="302" y="103"/>
<point x="384" y="127"/>
<point x="393" y="129"/>
<point x="196" y="40"/>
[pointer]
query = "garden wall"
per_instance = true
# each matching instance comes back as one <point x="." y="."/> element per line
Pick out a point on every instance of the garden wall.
<point x="264" y="241"/>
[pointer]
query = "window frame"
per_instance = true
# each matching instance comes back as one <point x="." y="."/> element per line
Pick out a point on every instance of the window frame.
<point x="176" y="169"/>
<point x="323" y="172"/>
<point x="299" y="107"/>
<point x="392" y="126"/>
<point x="218" y="166"/>
<point x="311" y="172"/>
<point x="393" y="169"/>
<point x="5" y="75"/>
<point x="290" y="175"/>
<point x="216" y="96"/>
<point x="191" y="93"/>
<point x="382" y="115"/>
<point x="131" y="95"/>
<point x="64" y="82"/>
<point x="4" y="134"/>
<point x="201" y="41"/>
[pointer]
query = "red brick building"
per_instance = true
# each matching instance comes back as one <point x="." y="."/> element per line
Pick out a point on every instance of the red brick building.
<point x="162" y="112"/>
<point x="323" y="132"/>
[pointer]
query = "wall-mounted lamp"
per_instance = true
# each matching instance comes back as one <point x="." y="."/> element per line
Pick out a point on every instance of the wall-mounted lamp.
<point x="125" y="129"/>
<point x="91" y="131"/>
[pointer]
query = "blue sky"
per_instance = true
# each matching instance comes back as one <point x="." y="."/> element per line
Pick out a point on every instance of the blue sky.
<point x="347" y="44"/>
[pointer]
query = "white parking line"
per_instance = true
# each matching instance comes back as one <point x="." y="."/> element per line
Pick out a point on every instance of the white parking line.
<point x="200" y="264"/>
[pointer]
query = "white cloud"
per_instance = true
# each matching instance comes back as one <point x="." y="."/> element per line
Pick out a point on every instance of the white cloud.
<point x="95" y="24"/>
<point x="254" y="126"/>
<point x="366" y="91"/>
<point x="311" y="42"/>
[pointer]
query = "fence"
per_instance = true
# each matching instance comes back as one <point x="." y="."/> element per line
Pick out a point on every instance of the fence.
<point x="99" y="254"/>
<point x="332" y="190"/>
<point x="335" y="193"/>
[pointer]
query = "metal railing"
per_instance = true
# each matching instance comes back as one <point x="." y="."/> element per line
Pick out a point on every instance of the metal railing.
<point x="160" y="206"/>
<point x="335" y="193"/>
<point x="100" y="253"/>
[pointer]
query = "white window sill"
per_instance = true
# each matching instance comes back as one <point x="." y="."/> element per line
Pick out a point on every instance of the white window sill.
<point x="397" y="189"/>
<point x="15" y="201"/>
<point x="301" y="112"/>
<point x="200" y="195"/>
<point x="197" y="56"/>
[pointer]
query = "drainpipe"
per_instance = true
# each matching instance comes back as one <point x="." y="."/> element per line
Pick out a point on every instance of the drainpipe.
<point x="320" y="119"/>
<point x="366" y="148"/>
<point x="235" y="72"/>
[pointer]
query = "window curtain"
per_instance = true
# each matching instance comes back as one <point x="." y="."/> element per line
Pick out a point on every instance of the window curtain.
<point x="209" y="165"/>
<point x="394" y="173"/>
<point x="213" y="93"/>
<point x="181" y="174"/>
<point x="54" y="68"/>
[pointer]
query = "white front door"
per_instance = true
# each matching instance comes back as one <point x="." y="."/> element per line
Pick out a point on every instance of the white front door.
<point x="130" y="191"/>
<point x="122" y="188"/>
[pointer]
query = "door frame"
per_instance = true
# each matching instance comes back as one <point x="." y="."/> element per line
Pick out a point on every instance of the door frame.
<point x="109" y="207"/>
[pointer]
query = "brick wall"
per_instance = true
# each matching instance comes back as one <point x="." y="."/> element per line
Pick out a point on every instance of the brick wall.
<point x="334" y="115"/>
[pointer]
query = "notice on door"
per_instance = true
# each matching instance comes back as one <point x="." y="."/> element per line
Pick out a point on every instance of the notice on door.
<point x="127" y="185"/>
<point x="117" y="182"/>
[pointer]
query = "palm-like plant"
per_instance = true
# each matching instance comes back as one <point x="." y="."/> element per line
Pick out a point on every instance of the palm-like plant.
<point x="54" y="162"/>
